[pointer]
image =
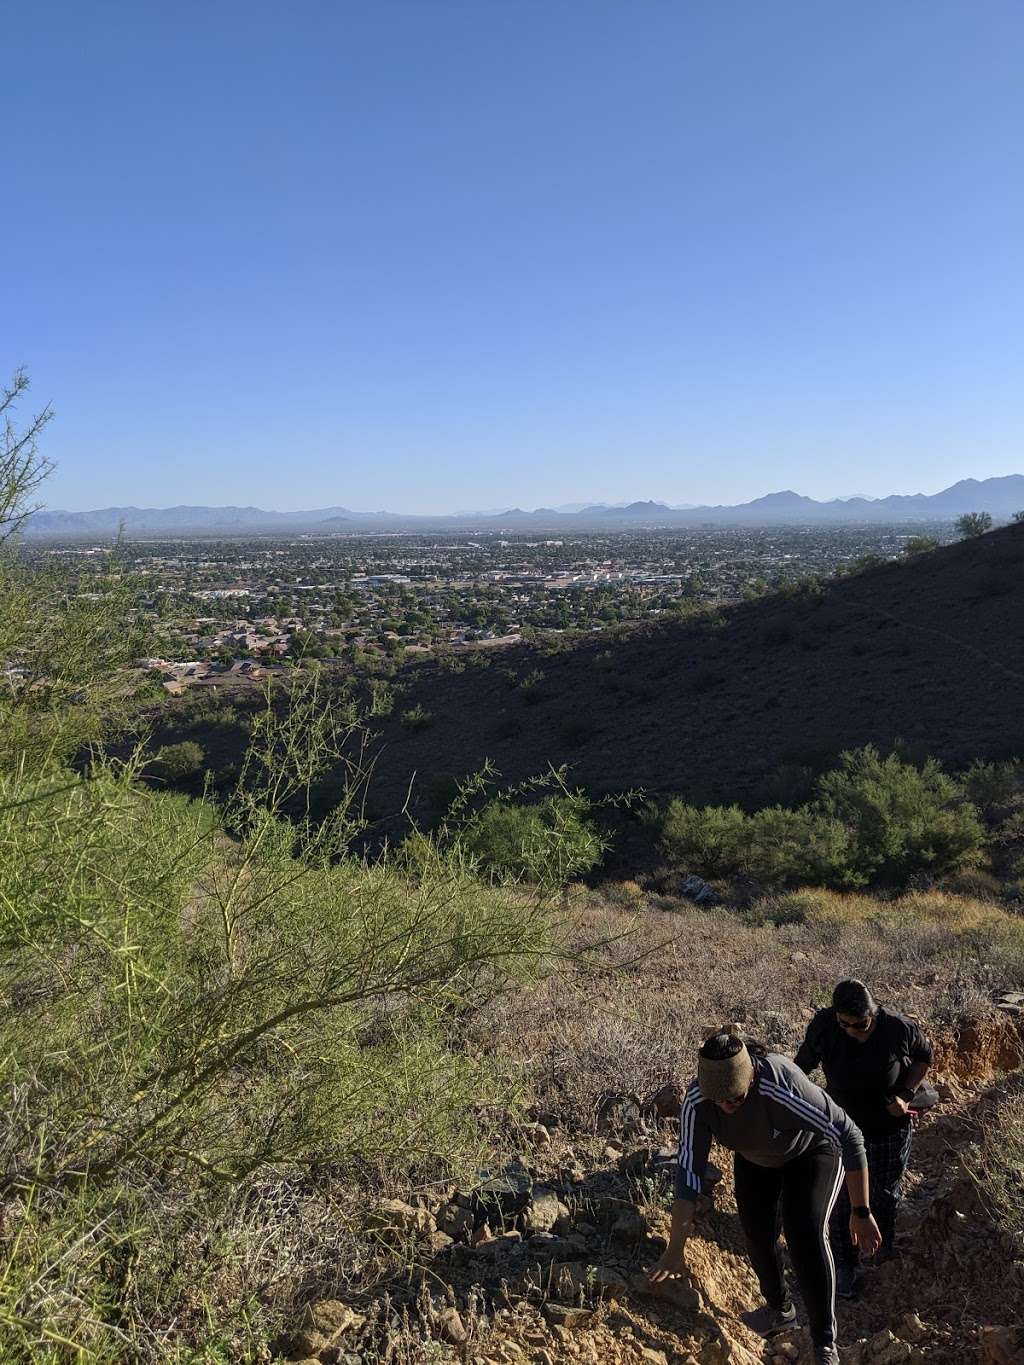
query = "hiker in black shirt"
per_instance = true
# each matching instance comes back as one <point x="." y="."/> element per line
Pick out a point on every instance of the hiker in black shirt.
<point x="873" y="1060"/>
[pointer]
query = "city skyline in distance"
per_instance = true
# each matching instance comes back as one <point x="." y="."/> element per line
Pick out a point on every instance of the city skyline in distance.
<point x="1003" y="496"/>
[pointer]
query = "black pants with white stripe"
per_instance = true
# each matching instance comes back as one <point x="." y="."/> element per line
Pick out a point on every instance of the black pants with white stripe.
<point x="796" y="1198"/>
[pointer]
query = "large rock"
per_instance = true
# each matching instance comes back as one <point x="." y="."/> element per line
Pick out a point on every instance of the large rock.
<point x="567" y="1316"/>
<point x="630" y="1226"/>
<point x="696" y="889"/>
<point x="911" y="1328"/>
<point x="608" y="1282"/>
<point x="884" y="1348"/>
<point x="321" y="1326"/>
<point x="504" y="1197"/>
<point x="331" y="1317"/>
<point x="667" y="1101"/>
<point x="451" y="1328"/>
<point x="618" y="1113"/>
<point x="680" y="1292"/>
<point x="543" y="1211"/>
<point x="394" y="1219"/>
<point x="455" y="1220"/>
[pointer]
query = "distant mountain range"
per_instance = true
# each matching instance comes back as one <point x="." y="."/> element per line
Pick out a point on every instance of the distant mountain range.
<point x="1000" y="496"/>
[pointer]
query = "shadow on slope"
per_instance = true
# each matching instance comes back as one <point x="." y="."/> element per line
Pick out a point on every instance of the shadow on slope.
<point x="929" y="651"/>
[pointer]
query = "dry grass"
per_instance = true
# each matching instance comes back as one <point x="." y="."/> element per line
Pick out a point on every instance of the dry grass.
<point x="997" y="1161"/>
<point x="630" y="1016"/>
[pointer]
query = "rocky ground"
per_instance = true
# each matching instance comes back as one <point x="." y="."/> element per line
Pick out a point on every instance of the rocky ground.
<point x="545" y="1261"/>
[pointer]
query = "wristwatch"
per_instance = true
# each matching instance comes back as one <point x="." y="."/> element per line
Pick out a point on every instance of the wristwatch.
<point x="862" y="1211"/>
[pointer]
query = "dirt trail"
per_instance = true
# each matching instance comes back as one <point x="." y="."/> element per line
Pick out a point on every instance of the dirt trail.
<point x="550" y="1265"/>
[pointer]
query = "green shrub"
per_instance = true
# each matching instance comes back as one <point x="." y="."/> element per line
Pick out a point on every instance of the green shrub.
<point x="176" y="762"/>
<point x="993" y="784"/>
<point x="549" y="844"/>
<point x="382" y="699"/>
<point x="529" y="687"/>
<point x="417" y="718"/>
<point x="973" y="524"/>
<point x="920" y="545"/>
<point x="781" y="910"/>
<point x="872" y="820"/>
<point x="201" y="1017"/>
<point x="902" y="819"/>
<point x="793" y="847"/>
<point x="705" y="839"/>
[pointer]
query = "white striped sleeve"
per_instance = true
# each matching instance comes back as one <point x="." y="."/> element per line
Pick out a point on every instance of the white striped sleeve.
<point x="694" y="1146"/>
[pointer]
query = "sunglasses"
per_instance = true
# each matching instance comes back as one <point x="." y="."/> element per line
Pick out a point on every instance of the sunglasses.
<point x="861" y="1026"/>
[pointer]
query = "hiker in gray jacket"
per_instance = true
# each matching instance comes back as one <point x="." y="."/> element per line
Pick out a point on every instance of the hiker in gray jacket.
<point x="792" y="1144"/>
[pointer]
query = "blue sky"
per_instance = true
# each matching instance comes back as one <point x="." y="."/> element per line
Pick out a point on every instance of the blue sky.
<point x="435" y="254"/>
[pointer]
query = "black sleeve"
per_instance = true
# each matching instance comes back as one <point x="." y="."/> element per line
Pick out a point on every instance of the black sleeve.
<point x="919" y="1048"/>
<point x="808" y="1055"/>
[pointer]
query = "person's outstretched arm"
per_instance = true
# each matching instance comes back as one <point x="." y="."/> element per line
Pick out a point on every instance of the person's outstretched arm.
<point x="694" y="1146"/>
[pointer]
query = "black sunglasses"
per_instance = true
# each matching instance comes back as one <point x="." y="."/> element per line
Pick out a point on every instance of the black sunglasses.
<point x="861" y="1026"/>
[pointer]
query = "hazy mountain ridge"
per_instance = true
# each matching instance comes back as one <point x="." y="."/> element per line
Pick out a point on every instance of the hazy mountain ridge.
<point x="1002" y="496"/>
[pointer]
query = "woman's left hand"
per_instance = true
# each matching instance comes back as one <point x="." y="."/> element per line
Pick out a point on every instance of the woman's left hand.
<point x="899" y="1108"/>
<point x="865" y="1234"/>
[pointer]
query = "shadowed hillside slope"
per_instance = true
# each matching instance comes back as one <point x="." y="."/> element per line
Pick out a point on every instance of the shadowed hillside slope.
<point x="929" y="651"/>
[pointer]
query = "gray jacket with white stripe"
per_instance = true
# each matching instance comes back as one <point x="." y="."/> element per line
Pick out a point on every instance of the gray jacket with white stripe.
<point x="783" y="1116"/>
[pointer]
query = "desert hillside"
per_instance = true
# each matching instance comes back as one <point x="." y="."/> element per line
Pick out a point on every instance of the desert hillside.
<point x="929" y="651"/>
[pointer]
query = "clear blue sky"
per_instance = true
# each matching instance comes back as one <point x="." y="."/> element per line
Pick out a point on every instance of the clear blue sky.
<point x="438" y="254"/>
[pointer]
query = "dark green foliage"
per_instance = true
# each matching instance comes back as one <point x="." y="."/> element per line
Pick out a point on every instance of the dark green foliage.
<point x="549" y="843"/>
<point x="706" y="839"/>
<point x="872" y="820"/>
<point x="417" y="718"/>
<point x="795" y="847"/>
<point x="973" y="524"/>
<point x="529" y="687"/>
<point x="903" y="819"/>
<point x="920" y="545"/>
<point x="176" y="762"/>
<point x="864" y="563"/>
<point x="993" y="784"/>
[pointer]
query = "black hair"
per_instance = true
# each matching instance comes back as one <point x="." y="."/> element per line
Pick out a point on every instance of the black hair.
<point x="722" y="1045"/>
<point x="853" y="997"/>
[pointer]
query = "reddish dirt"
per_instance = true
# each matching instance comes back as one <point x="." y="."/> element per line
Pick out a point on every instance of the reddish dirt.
<point x="953" y="1294"/>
